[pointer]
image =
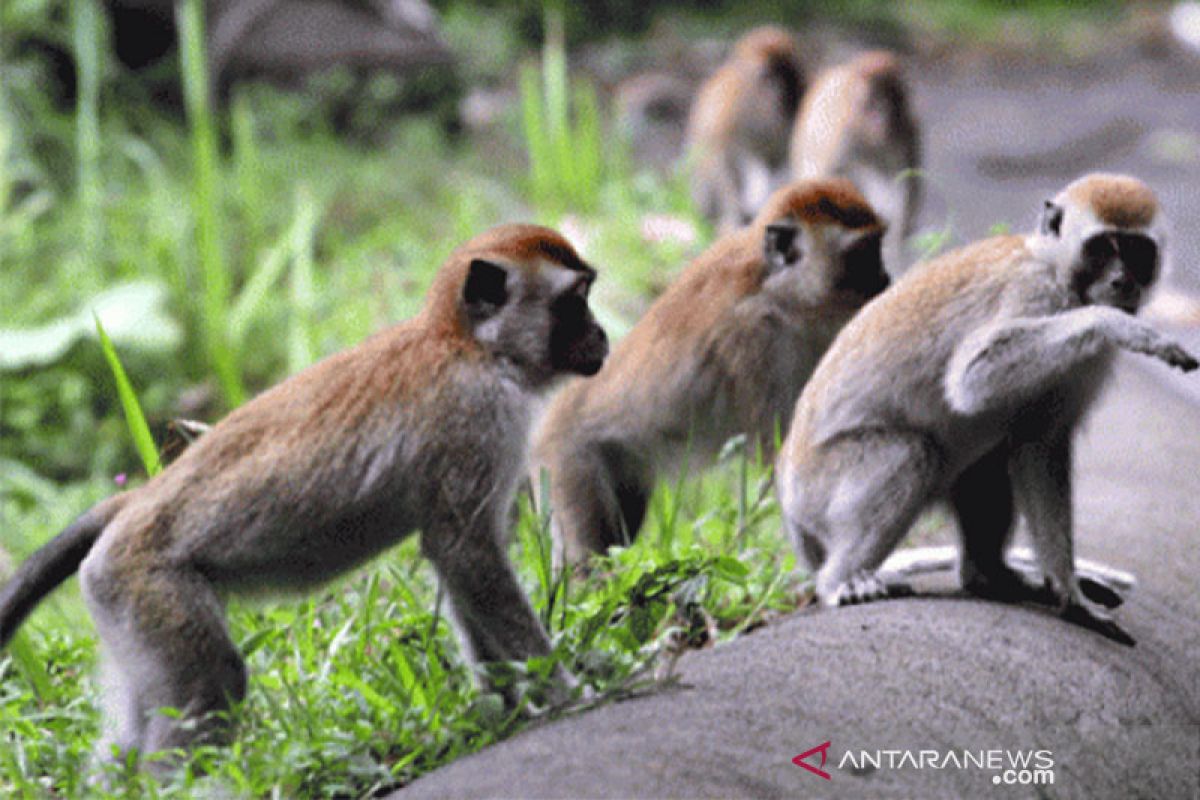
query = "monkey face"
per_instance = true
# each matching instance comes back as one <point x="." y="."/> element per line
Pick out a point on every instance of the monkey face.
<point x="537" y="319"/>
<point x="577" y="342"/>
<point x="1115" y="268"/>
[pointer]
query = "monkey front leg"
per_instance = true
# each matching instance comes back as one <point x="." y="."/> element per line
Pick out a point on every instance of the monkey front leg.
<point x="1041" y="472"/>
<point x="492" y="615"/>
<point x="1008" y="363"/>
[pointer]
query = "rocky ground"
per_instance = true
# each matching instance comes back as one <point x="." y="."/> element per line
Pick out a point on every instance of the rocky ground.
<point x="941" y="672"/>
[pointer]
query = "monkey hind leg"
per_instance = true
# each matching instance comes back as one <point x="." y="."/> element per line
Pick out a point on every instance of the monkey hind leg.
<point x="599" y="498"/>
<point x="166" y="646"/>
<point x="982" y="498"/>
<point x="873" y="488"/>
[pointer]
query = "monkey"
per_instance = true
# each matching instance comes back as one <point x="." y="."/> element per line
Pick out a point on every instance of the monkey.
<point x="737" y="130"/>
<point x="423" y="427"/>
<point x="723" y="351"/>
<point x="965" y="382"/>
<point x="856" y="122"/>
<point x="651" y="109"/>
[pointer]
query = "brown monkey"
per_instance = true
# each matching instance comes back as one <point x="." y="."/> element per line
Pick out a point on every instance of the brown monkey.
<point x="424" y="426"/>
<point x="965" y="381"/>
<point x="856" y="122"/>
<point x="651" y="111"/>
<point x="725" y="350"/>
<point x="737" y="131"/>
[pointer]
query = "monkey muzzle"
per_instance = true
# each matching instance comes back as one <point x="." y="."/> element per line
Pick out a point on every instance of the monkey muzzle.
<point x="592" y="351"/>
<point x="582" y="351"/>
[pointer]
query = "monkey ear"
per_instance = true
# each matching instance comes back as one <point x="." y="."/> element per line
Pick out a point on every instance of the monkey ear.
<point x="781" y="246"/>
<point x="1051" y="221"/>
<point x="485" y="289"/>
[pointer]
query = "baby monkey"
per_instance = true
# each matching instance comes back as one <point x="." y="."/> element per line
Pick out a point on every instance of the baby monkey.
<point x="424" y="426"/>
<point x="966" y="382"/>
<point x="724" y="351"/>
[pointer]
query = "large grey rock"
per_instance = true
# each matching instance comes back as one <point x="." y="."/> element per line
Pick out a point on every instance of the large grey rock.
<point x="941" y="673"/>
<point x="288" y="39"/>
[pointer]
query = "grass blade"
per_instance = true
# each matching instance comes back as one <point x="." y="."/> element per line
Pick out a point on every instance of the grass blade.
<point x="302" y="349"/>
<point x="139" y="431"/>
<point x="205" y="202"/>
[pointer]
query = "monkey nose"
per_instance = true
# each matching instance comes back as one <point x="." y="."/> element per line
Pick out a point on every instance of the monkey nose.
<point x="1123" y="283"/>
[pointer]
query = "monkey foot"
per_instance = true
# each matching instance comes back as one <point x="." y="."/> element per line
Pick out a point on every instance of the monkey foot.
<point x="1006" y="585"/>
<point x="1106" y="626"/>
<point x="864" y="587"/>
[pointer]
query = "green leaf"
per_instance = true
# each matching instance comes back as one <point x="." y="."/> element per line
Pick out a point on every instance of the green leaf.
<point x="139" y="431"/>
<point x="730" y="569"/>
<point x="136" y="318"/>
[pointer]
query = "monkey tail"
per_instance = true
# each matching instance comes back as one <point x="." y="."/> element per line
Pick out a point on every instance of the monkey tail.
<point x="56" y="561"/>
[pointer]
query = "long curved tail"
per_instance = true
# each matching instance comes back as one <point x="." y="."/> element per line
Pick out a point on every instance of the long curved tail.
<point x="58" y="560"/>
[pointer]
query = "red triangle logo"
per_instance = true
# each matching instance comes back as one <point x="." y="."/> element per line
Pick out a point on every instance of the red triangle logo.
<point x="823" y="749"/>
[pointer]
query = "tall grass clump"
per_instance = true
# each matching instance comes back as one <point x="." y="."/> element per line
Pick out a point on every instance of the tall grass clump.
<point x="562" y="129"/>
<point x="214" y="274"/>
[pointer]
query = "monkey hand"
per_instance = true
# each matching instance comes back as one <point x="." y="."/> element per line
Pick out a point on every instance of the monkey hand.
<point x="1148" y="341"/>
<point x="1176" y="356"/>
<point x="1080" y="614"/>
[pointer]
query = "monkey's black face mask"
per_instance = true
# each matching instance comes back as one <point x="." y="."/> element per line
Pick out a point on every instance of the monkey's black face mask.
<point x="862" y="267"/>
<point x="577" y="342"/>
<point x="1116" y="268"/>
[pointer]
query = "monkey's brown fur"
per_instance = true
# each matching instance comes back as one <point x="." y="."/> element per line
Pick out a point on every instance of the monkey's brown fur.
<point x="725" y="350"/>
<point x="856" y="122"/>
<point x="424" y="426"/>
<point x="737" y="131"/>
<point x="1117" y="200"/>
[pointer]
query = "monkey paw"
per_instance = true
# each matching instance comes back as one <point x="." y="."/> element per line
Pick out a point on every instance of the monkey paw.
<point x="1176" y="356"/>
<point x="1171" y="354"/>
<point x="1006" y="585"/>
<point x="1101" y="623"/>
<point x="864" y="587"/>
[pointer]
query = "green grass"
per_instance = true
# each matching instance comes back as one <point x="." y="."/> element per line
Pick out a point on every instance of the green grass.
<point x="561" y="123"/>
<point x="362" y="687"/>
<point x="276" y="242"/>
<point x="214" y="274"/>
<point x="135" y="418"/>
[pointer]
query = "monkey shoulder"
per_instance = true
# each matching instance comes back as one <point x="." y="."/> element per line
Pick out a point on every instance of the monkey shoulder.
<point x="886" y="366"/>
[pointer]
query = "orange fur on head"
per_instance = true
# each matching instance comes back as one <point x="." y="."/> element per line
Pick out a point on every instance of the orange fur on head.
<point x="1116" y="200"/>
<point x="524" y="244"/>
<point x="766" y="42"/>
<point x="876" y="64"/>
<point x="827" y="201"/>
